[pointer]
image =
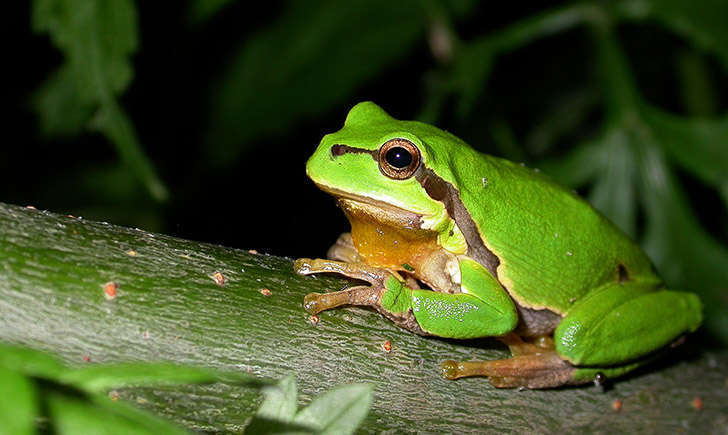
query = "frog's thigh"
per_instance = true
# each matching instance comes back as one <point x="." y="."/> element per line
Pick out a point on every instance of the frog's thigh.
<point x="621" y="322"/>
<point x="483" y="309"/>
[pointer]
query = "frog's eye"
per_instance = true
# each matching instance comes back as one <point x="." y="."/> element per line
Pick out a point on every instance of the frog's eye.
<point x="399" y="158"/>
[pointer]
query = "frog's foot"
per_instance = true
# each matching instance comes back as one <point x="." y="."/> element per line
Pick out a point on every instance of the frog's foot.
<point x="359" y="295"/>
<point x="382" y="281"/>
<point x="314" y="303"/>
<point x="344" y="250"/>
<point x="533" y="365"/>
<point x="373" y="275"/>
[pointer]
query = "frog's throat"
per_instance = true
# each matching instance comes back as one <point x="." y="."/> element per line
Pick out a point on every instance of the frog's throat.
<point x="379" y="211"/>
<point x="383" y="213"/>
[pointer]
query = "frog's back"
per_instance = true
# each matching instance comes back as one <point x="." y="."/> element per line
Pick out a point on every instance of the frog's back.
<point x="553" y="246"/>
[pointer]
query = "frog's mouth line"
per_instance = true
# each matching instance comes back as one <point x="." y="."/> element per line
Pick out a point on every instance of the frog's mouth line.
<point x="376" y="210"/>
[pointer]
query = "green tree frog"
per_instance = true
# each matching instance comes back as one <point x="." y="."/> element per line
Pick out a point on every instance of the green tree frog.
<point x="454" y="243"/>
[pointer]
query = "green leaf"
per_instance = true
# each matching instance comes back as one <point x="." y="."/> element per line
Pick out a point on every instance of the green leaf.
<point x="139" y="417"/>
<point x="71" y="414"/>
<point x="260" y="426"/>
<point x="278" y="409"/>
<point x="18" y="403"/>
<point x="113" y="122"/>
<point x="97" y="38"/>
<point x="101" y="378"/>
<point x="685" y="254"/>
<point x="30" y="362"/>
<point x="280" y="400"/>
<point x="609" y="164"/>
<point x="700" y="146"/>
<point x="564" y="116"/>
<point x="579" y="166"/>
<point x="697" y="90"/>
<point x="311" y="58"/>
<point x="338" y="411"/>
<point x="475" y="59"/>
<point x="202" y="10"/>
<point x="60" y="107"/>
<point x="702" y="22"/>
<point x="613" y="191"/>
<point x="471" y="70"/>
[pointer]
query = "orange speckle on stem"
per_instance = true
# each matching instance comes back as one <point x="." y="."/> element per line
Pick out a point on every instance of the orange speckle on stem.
<point x="30" y="207"/>
<point x="387" y="346"/>
<point x="252" y="251"/>
<point x="110" y="290"/>
<point x="697" y="403"/>
<point x="265" y="292"/>
<point x="617" y="405"/>
<point x="315" y="319"/>
<point x="131" y="253"/>
<point x="87" y="358"/>
<point x="218" y="277"/>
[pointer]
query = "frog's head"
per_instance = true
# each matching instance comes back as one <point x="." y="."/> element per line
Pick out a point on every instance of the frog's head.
<point x="386" y="165"/>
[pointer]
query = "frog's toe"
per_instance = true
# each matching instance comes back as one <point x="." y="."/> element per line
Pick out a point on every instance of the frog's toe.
<point x="302" y="266"/>
<point x="312" y="304"/>
<point x="450" y="369"/>
<point x="543" y="370"/>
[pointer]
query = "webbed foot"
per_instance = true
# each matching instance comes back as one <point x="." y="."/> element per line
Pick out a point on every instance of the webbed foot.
<point x="533" y="365"/>
<point x="314" y="303"/>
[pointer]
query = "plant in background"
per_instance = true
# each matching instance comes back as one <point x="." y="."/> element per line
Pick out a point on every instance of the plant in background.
<point x="39" y="392"/>
<point x="603" y="134"/>
<point x="315" y="56"/>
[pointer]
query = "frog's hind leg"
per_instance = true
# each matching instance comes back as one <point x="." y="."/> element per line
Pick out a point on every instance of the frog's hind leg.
<point x="625" y="322"/>
<point x="533" y="365"/>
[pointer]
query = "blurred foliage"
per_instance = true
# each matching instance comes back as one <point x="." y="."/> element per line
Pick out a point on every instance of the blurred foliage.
<point x="585" y="91"/>
<point x="38" y="392"/>
<point x="338" y="411"/>
<point x="97" y="39"/>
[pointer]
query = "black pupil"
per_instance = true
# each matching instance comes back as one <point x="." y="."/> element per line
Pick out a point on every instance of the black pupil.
<point x="399" y="157"/>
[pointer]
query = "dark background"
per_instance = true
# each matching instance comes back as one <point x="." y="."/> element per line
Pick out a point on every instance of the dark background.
<point x="227" y="102"/>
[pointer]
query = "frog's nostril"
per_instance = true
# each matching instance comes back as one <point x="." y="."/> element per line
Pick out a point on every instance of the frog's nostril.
<point x="338" y="149"/>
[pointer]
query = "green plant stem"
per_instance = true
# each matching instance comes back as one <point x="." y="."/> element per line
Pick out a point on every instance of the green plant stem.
<point x="168" y="307"/>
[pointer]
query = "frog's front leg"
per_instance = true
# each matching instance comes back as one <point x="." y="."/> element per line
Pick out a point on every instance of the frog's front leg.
<point x="481" y="309"/>
<point x="381" y="282"/>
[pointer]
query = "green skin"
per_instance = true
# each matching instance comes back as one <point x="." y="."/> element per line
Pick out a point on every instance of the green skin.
<point x="519" y="240"/>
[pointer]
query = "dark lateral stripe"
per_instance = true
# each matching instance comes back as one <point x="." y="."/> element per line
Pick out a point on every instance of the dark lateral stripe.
<point x="440" y="190"/>
<point x="340" y="149"/>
